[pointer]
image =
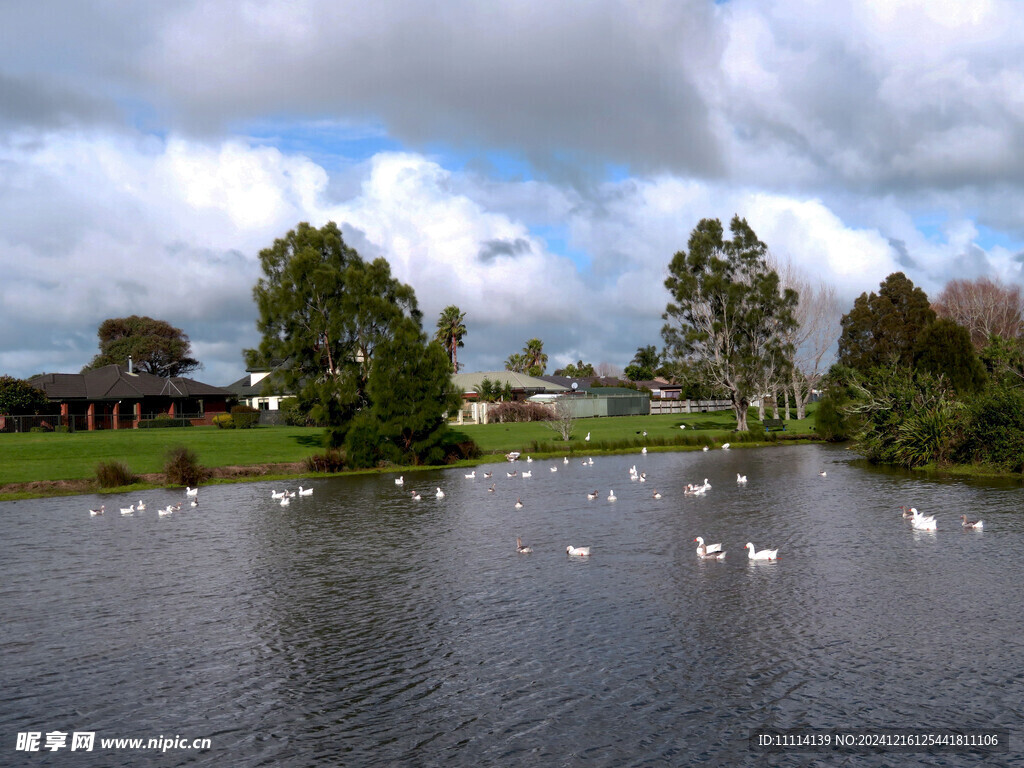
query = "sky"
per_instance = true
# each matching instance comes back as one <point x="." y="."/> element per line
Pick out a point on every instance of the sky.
<point x="536" y="164"/>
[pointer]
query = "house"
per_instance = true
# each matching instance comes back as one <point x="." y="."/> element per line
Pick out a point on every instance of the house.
<point x="474" y="411"/>
<point x="119" y="397"/>
<point x="259" y="390"/>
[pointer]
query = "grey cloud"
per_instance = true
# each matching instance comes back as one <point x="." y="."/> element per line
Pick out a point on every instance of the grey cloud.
<point x="492" y="249"/>
<point x="903" y="257"/>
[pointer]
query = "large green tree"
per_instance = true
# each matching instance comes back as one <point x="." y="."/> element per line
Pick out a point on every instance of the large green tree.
<point x="19" y="398"/>
<point x="644" y="364"/>
<point x="323" y="311"/>
<point x="155" y="346"/>
<point x="411" y="392"/>
<point x="945" y="348"/>
<point x="451" y="328"/>
<point x="577" y="370"/>
<point x="728" y="311"/>
<point x="883" y="327"/>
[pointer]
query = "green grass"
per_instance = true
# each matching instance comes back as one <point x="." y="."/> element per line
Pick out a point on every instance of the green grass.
<point x="27" y="457"/>
<point x="622" y="432"/>
<point x="48" y="456"/>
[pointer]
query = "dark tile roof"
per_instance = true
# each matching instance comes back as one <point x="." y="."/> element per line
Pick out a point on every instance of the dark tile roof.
<point x="113" y="382"/>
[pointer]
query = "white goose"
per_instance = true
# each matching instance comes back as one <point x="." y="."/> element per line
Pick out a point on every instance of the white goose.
<point x="643" y="450"/>
<point x="194" y="502"/>
<point x="565" y="459"/>
<point x="128" y="510"/>
<point x="612" y="496"/>
<point x="741" y="478"/>
<point x="278" y="494"/>
<point x="705" y="448"/>
<point x="471" y="475"/>
<point x="587" y="438"/>
<point x="140" y="507"/>
<point x="191" y="491"/>
<point x="305" y="491"/>
<point x="415" y="495"/>
<point x="528" y="473"/>
<point x="655" y="495"/>
<point x="764" y="554"/>
<point x="725" y="446"/>
<point x="974" y="525"/>
<point x="166" y="510"/>
<point x="709" y="550"/>
<point x="439" y="494"/>
<point x="921" y="522"/>
<point x="553" y="469"/>
<point x="577" y="551"/>
<point x="286" y="500"/>
<point x="400" y="480"/>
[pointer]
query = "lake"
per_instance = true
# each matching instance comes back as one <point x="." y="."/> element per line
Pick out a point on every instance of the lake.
<point x="357" y="626"/>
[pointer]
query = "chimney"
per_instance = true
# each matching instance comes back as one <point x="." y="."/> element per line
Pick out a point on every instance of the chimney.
<point x="129" y="365"/>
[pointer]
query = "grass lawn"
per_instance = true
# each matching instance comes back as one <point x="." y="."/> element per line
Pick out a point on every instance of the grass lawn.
<point x="50" y="456"/>
<point x="27" y="457"/>
<point x="621" y="432"/>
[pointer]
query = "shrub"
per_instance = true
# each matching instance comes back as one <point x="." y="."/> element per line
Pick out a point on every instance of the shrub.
<point x="163" y="420"/>
<point x="39" y="429"/>
<point x="62" y="429"/>
<point x="363" y="442"/>
<point x="245" y="416"/>
<point x="113" y="474"/>
<point x="223" y="421"/>
<point x="829" y="422"/>
<point x="519" y="411"/>
<point x="331" y="461"/>
<point x="995" y="430"/>
<point x="182" y="467"/>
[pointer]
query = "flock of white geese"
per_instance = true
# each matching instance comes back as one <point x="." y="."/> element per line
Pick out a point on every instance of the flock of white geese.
<point x="192" y="496"/>
<point x="704" y="551"/>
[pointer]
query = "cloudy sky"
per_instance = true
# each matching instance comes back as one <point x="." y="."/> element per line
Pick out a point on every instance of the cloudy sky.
<point x="535" y="163"/>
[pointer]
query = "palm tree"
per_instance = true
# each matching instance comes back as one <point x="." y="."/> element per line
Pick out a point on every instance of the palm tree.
<point x="450" y="330"/>
<point x="535" y="359"/>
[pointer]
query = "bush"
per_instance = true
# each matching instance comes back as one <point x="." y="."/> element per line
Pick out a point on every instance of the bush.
<point x="519" y="411"/>
<point x="223" y="421"/>
<point x="113" y="474"/>
<point x="829" y="422"/>
<point x="995" y="431"/>
<point x="245" y="416"/>
<point x="362" y="442"/>
<point x="162" y="421"/>
<point x="182" y="467"/>
<point x="331" y="461"/>
<point x="39" y="429"/>
<point x="62" y="429"/>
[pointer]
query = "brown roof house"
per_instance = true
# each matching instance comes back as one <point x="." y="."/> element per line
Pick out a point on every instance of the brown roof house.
<point x="118" y="397"/>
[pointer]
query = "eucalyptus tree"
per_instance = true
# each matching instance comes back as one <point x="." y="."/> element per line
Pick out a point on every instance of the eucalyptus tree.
<point x="729" y="312"/>
<point x="323" y="311"/>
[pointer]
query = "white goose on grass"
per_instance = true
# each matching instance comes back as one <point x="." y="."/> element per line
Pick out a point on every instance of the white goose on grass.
<point x="974" y="525"/>
<point x="572" y="551"/>
<point x="764" y="554"/>
<point x="587" y="438"/>
<point x="706" y="550"/>
<point x="725" y="446"/>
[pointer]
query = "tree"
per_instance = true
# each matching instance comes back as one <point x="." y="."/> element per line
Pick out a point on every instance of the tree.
<point x="944" y="348"/>
<point x="450" y="330"/>
<point x="19" y="398"/>
<point x="644" y="364"/>
<point x="411" y="392"/>
<point x="564" y="420"/>
<point x="817" y="316"/>
<point x="728" y="311"/>
<point x="884" y="327"/>
<point x="985" y="307"/>
<point x="580" y="370"/>
<point x="531" y="361"/>
<point x="323" y="312"/>
<point x="155" y="346"/>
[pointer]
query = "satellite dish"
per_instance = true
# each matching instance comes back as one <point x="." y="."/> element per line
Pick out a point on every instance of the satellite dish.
<point x="575" y="386"/>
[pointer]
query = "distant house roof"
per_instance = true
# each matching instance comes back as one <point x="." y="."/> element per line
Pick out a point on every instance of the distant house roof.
<point x="114" y="382"/>
<point x="470" y="382"/>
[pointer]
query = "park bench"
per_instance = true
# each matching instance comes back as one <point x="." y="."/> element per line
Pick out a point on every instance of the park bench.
<point x="770" y="424"/>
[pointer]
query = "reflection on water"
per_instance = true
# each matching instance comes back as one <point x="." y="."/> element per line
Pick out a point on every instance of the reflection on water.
<point x="360" y="627"/>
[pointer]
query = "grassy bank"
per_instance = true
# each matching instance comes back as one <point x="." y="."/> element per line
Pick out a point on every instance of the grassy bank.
<point x="53" y="458"/>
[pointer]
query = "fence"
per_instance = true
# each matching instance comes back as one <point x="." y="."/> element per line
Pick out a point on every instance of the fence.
<point x="689" y="406"/>
<point x="80" y="422"/>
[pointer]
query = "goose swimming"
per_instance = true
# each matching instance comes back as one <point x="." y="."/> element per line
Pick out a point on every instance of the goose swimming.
<point x="764" y="554"/>
<point x="975" y="525"/>
<point x="577" y="551"/>
<point x="521" y="549"/>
